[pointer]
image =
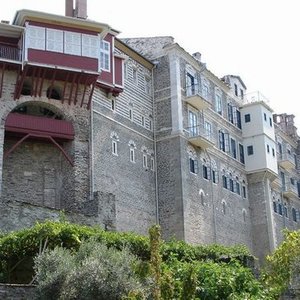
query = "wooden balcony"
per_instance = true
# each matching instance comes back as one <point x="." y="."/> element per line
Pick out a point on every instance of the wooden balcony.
<point x="201" y="137"/>
<point x="286" y="161"/>
<point x="195" y="97"/>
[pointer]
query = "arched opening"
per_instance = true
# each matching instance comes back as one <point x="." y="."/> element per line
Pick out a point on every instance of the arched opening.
<point x="54" y="93"/>
<point x="27" y="88"/>
<point x="37" y="165"/>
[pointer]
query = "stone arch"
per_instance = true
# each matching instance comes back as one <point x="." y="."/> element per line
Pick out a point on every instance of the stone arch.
<point x="35" y="168"/>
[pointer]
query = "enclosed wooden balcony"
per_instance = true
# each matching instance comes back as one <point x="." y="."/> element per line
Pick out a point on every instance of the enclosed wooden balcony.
<point x="286" y="161"/>
<point x="196" y="97"/>
<point x="200" y="136"/>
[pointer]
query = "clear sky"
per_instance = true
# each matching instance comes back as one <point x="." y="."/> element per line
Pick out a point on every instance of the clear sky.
<point x="255" y="39"/>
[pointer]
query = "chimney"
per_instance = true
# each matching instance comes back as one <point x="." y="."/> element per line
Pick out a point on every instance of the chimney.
<point x="81" y="9"/>
<point x="69" y="10"/>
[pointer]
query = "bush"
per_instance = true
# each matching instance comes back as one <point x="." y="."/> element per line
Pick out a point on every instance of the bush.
<point x="94" y="272"/>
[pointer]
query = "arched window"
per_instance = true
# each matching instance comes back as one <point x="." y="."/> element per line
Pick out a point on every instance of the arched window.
<point x="294" y="214"/>
<point x="201" y="193"/>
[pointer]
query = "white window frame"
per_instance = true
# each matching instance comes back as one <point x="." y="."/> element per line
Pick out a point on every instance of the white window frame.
<point x="145" y="161"/>
<point x="152" y="164"/>
<point x="35" y="37"/>
<point x="219" y="106"/>
<point x="90" y="45"/>
<point x="72" y="43"/>
<point x="54" y="40"/>
<point x="105" y="56"/>
<point x="114" y="147"/>
<point x="132" y="155"/>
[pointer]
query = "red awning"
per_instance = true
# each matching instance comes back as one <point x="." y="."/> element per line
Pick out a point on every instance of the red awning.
<point x="27" y="124"/>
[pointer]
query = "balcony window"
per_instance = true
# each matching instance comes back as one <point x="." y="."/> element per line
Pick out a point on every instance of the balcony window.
<point x="247" y="118"/>
<point x="105" y="56"/>
<point x="193" y="165"/>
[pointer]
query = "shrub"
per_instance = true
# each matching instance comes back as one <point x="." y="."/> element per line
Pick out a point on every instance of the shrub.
<point x="94" y="272"/>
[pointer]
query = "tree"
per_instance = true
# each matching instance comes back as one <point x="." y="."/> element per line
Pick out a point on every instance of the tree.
<point x="283" y="266"/>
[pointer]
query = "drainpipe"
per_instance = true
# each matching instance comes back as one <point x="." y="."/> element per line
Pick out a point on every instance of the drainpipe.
<point x="270" y="221"/>
<point x="212" y="200"/>
<point x="91" y="152"/>
<point x="155" y="153"/>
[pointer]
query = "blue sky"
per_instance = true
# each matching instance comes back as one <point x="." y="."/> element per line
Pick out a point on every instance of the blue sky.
<point x="255" y="39"/>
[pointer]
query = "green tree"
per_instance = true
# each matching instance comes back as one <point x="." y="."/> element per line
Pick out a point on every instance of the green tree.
<point x="283" y="266"/>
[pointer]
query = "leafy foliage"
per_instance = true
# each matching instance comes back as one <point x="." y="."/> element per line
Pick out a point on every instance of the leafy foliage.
<point x="283" y="266"/>
<point x="94" y="272"/>
<point x="171" y="270"/>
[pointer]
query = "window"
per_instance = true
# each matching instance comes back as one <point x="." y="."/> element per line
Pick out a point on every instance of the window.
<point x="265" y="116"/>
<point x="193" y="165"/>
<point x="238" y="119"/>
<point x="236" y="89"/>
<point x="268" y="148"/>
<point x="219" y="108"/>
<point x="280" y="148"/>
<point x="72" y="43"/>
<point x="105" y="56"/>
<point x="294" y="214"/>
<point x="224" y="181"/>
<point x="242" y="93"/>
<point x="113" y="104"/>
<point x="193" y="120"/>
<point x="280" y="208"/>
<point x="273" y="152"/>
<point x="285" y="210"/>
<point x="223" y="141"/>
<point x="250" y="150"/>
<point x="90" y="45"/>
<point x="130" y="114"/>
<point x="152" y="164"/>
<point x="241" y="150"/>
<point x="190" y="84"/>
<point x="206" y="172"/>
<point x="114" y="147"/>
<point x="215" y="176"/>
<point x="143" y="121"/>
<point x="35" y="37"/>
<point x="275" y="206"/>
<point x="233" y="148"/>
<point x="247" y="118"/>
<point x="230" y="113"/>
<point x="270" y="120"/>
<point x="145" y="161"/>
<point x="132" y="155"/>
<point x="237" y="188"/>
<point x="244" y="191"/>
<point x="55" y="40"/>
<point x="205" y="90"/>
<point x="150" y="124"/>
<point x="231" y="185"/>
<point x="208" y="131"/>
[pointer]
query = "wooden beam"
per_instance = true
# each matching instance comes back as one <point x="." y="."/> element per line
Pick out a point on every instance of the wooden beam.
<point x="42" y="82"/>
<point x="17" y="82"/>
<point x="84" y="90"/>
<point x="36" y="82"/>
<point x="52" y="83"/>
<point x="71" y="89"/>
<point x="91" y="94"/>
<point x="76" y="90"/>
<point x="65" y="87"/>
<point x="24" y="73"/>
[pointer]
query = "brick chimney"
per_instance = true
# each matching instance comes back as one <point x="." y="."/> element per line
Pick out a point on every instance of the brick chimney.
<point x="81" y="9"/>
<point x="69" y="10"/>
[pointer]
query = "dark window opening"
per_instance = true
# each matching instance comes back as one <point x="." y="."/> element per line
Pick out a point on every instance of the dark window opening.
<point x="250" y="150"/>
<point x="194" y="166"/>
<point x="247" y="118"/>
<point x="53" y="93"/>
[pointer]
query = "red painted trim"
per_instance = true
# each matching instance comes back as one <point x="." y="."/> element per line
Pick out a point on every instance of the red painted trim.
<point x="23" y="124"/>
<point x="63" y="60"/>
<point x="15" y="146"/>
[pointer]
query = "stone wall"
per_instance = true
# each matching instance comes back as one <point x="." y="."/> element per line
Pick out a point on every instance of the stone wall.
<point x="17" y="292"/>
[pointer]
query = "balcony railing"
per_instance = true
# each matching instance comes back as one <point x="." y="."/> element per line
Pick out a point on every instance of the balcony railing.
<point x="290" y="190"/>
<point x="197" y="97"/>
<point x="286" y="160"/>
<point x="255" y="97"/>
<point x="200" y="136"/>
<point x="10" y="53"/>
